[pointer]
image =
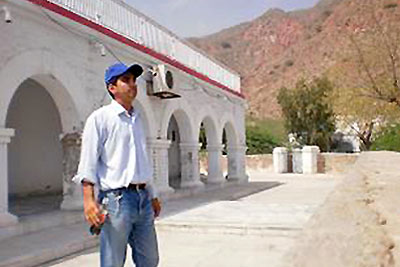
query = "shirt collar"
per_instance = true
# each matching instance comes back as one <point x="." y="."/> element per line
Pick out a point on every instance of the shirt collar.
<point x="119" y="109"/>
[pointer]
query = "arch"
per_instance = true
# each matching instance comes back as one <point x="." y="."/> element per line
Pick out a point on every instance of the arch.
<point x="210" y="126"/>
<point x="54" y="75"/>
<point x="174" y="154"/>
<point x="228" y="123"/>
<point x="34" y="116"/>
<point x="181" y="112"/>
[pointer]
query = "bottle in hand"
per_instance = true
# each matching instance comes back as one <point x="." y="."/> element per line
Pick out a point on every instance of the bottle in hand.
<point x="95" y="230"/>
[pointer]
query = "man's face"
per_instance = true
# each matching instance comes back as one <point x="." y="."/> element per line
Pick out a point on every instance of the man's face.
<point x="125" y="88"/>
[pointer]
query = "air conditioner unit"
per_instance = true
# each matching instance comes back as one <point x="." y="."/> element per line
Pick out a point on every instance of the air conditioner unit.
<point x="162" y="83"/>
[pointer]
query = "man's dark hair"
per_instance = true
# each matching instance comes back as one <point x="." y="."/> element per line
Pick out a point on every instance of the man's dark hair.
<point x="113" y="82"/>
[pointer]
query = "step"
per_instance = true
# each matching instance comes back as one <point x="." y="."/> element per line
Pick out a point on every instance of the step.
<point x="39" y="247"/>
<point x="37" y="222"/>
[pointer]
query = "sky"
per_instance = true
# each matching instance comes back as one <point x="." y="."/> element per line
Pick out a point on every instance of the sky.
<point x="195" y="18"/>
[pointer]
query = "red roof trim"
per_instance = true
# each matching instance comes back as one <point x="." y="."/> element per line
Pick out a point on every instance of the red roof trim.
<point x="75" y="17"/>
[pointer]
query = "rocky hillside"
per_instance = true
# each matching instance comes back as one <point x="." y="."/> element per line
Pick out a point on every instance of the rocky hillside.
<point x="280" y="47"/>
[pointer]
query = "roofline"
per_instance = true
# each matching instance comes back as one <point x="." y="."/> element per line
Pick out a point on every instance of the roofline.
<point x="81" y="20"/>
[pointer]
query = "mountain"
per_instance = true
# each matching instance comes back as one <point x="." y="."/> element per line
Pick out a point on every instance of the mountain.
<point x="278" y="48"/>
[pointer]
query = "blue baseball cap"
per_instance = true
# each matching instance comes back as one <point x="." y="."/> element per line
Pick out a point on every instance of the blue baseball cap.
<point x="118" y="69"/>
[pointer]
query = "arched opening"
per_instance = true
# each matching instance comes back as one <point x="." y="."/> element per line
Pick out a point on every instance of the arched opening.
<point x="174" y="154"/>
<point x="35" y="153"/>
<point x="224" y="161"/>
<point x="203" y="153"/>
<point x="209" y="150"/>
<point x="229" y="141"/>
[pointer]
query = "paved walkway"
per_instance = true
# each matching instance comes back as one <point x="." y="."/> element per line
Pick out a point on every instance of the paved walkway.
<point x="247" y="225"/>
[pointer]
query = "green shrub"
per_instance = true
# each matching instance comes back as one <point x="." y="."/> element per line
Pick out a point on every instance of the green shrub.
<point x="391" y="5"/>
<point x="289" y="63"/>
<point x="263" y="135"/>
<point x="259" y="141"/>
<point x="388" y="139"/>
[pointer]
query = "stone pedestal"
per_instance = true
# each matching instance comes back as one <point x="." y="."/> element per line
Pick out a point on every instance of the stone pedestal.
<point x="72" y="192"/>
<point x="159" y="156"/>
<point x="237" y="163"/>
<point x="6" y="219"/>
<point x="280" y="159"/>
<point x="190" y="165"/>
<point x="310" y="159"/>
<point x="297" y="160"/>
<point x="215" y="174"/>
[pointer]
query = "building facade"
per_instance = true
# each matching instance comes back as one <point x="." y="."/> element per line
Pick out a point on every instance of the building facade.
<point x="52" y="60"/>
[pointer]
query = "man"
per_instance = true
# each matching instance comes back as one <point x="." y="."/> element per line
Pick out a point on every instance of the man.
<point x="114" y="158"/>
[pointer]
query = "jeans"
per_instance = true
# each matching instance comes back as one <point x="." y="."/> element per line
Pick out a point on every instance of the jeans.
<point x="130" y="221"/>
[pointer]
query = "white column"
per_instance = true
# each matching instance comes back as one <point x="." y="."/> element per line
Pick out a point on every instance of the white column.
<point x="215" y="174"/>
<point x="237" y="163"/>
<point x="72" y="192"/>
<point x="159" y="156"/>
<point x="190" y="165"/>
<point x="6" y="219"/>
<point x="280" y="159"/>
<point x="297" y="160"/>
<point x="310" y="159"/>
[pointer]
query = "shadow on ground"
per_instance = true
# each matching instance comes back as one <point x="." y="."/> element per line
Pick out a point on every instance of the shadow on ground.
<point x="30" y="205"/>
<point x="229" y="193"/>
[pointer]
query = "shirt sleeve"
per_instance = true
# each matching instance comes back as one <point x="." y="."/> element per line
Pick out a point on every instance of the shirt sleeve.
<point x="90" y="152"/>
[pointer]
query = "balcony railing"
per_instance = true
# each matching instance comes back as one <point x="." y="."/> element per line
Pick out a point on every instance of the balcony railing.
<point x="123" y="19"/>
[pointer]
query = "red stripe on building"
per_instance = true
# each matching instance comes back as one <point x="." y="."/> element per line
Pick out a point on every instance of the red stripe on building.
<point x="77" y="18"/>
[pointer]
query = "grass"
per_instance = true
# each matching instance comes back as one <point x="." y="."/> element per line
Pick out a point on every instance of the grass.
<point x="272" y="127"/>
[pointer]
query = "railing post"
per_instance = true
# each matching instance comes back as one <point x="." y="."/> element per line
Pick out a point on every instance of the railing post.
<point x="310" y="159"/>
<point x="280" y="159"/>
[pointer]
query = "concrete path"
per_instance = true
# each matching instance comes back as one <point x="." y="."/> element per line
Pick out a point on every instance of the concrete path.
<point x="247" y="225"/>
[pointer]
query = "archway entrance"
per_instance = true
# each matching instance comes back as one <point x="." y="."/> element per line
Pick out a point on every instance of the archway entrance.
<point x="229" y="141"/>
<point x="35" y="153"/>
<point x="210" y="151"/>
<point x="203" y="153"/>
<point x="174" y="154"/>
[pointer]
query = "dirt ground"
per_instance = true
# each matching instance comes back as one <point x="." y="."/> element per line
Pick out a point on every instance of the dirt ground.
<point x="359" y="224"/>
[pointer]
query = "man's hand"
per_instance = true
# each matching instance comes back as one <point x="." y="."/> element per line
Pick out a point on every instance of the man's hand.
<point x="92" y="212"/>
<point x="156" y="206"/>
<point x="90" y="206"/>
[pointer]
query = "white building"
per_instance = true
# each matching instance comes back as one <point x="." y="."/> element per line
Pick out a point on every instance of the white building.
<point x="53" y="54"/>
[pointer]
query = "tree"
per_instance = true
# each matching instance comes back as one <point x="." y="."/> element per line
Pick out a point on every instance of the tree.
<point x="377" y="53"/>
<point x="308" y="113"/>
<point x="367" y="91"/>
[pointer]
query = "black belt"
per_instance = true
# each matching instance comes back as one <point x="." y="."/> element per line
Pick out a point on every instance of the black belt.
<point x="136" y="186"/>
<point x="133" y="187"/>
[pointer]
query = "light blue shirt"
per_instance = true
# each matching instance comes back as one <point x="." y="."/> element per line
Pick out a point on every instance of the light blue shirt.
<point x="113" y="152"/>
